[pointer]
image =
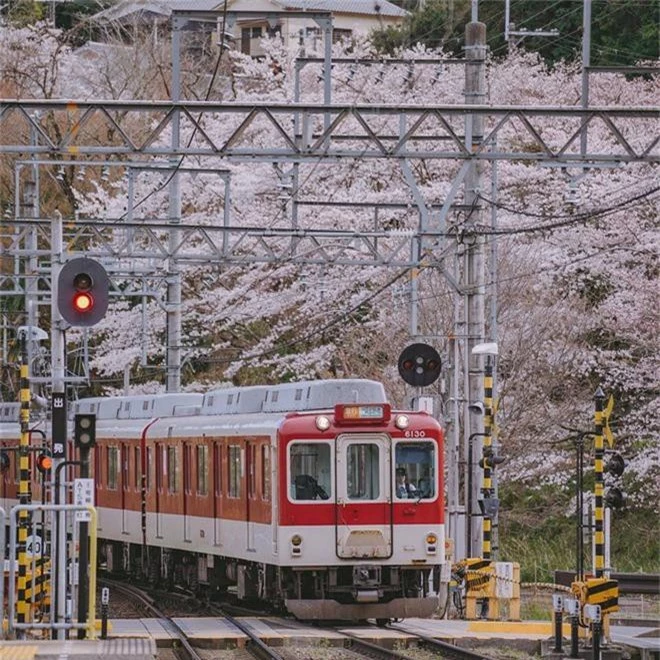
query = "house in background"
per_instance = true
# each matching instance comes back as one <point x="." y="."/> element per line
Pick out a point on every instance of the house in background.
<point x="350" y="18"/>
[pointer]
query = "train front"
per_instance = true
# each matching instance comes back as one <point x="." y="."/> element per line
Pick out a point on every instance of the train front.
<point x="361" y="520"/>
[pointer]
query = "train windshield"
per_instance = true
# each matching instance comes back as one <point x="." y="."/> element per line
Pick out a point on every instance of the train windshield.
<point x="309" y="471"/>
<point x="363" y="473"/>
<point x="415" y="470"/>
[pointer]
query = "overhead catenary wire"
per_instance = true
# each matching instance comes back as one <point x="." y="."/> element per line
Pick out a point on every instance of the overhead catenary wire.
<point x="562" y="221"/>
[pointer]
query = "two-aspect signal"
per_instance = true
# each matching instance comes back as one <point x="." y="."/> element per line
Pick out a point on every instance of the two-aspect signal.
<point x="82" y="292"/>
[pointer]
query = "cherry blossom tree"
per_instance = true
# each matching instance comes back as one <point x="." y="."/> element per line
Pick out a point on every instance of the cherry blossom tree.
<point x="576" y="276"/>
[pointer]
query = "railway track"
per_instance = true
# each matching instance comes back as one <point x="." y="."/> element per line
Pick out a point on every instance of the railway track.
<point x="182" y="647"/>
<point x="443" y="649"/>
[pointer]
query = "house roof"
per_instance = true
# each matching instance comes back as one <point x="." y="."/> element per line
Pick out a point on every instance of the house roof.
<point x="164" y="8"/>
<point x="369" y="7"/>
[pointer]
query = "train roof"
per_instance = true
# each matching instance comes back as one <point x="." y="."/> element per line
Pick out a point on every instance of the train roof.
<point x="287" y="397"/>
<point x="143" y="406"/>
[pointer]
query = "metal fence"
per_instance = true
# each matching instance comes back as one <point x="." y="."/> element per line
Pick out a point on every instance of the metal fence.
<point x="34" y="594"/>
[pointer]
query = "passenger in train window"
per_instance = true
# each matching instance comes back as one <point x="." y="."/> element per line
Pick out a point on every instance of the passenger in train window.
<point x="404" y="488"/>
<point x="306" y="487"/>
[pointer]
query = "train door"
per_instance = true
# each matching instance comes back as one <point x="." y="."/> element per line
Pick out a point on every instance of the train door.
<point x="160" y="472"/>
<point x="187" y="489"/>
<point x="364" y="501"/>
<point x="250" y="490"/>
<point x="217" y="493"/>
<point x="124" y="454"/>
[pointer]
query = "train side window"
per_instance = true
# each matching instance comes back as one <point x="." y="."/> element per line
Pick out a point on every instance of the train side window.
<point x="309" y="471"/>
<point x="202" y="470"/>
<point x="265" y="472"/>
<point x="148" y="467"/>
<point x="98" y="475"/>
<point x="363" y="471"/>
<point x="137" y="468"/>
<point x="234" y="468"/>
<point x="217" y="469"/>
<point x="172" y="470"/>
<point x="113" y="467"/>
<point x="252" y="470"/>
<point x="418" y="461"/>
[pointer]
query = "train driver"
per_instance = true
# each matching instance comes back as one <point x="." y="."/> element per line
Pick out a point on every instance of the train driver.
<point x="404" y="488"/>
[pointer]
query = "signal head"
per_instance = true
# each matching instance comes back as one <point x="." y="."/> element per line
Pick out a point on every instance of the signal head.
<point x="615" y="498"/>
<point x="84" y="430"/>
<point x="44" y="462"/>
<point x="82" y="292"/>
<point x="419" y="365"/>
<point x="616" y="465"/>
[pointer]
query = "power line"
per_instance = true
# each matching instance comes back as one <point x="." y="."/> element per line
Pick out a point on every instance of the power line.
<point x="564" y="221"/>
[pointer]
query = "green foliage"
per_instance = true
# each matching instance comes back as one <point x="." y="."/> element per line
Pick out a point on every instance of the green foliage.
<point x="431" y="25"/>
<point x="24" y="12"/>
<point x="538" y="530"/>
<point x="622" y="32"/>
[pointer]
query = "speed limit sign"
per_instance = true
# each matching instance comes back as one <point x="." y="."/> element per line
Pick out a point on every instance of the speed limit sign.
<point x="33" y="546"/>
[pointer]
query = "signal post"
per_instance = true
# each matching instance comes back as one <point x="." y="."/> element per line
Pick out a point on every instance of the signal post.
<point x="80" y="296"/>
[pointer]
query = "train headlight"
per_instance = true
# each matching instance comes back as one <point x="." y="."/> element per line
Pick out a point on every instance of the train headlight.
<point x="401" y="421"/>
<point x="322" y="423"/>
<point x="296" y="544"/>
<point x="431" y="543"/>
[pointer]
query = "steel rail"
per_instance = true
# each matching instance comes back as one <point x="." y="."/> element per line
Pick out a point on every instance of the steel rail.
<point x="182" y="647"/>
<point x="255" y="646"/>
<point x="445" y="649"/>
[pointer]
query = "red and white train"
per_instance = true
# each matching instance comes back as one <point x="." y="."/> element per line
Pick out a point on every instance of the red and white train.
<point x="288" y="492"/>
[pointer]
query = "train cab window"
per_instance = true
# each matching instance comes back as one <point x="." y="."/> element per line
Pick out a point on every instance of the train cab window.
<point x="113" y="467"/>
<point x="265" y="472"/>
<point x="235" y="469"/>
<point x="415" y="470"/>
<point x="309" y="471"/>
<point x="172" y="470"/>
<point x="202" y="470"/>
<point x="362" y="471"/>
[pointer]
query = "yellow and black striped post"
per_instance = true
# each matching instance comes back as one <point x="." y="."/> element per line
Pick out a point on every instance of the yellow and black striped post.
<point x="23" y="486"/>
<point x="599" y="486"/>
<point x="487" y="489"/>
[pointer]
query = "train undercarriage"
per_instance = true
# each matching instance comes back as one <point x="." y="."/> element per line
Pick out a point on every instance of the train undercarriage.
<point x="349" y="592"/>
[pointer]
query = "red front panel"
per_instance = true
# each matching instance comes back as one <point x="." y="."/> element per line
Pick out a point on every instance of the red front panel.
<point x="355" y="513"/>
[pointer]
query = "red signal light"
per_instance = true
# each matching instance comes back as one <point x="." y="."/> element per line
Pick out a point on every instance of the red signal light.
<point x="44" y="463"/>
<point x="83" y="302"/>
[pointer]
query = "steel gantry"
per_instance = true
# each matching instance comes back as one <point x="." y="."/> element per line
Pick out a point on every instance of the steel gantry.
<point x="355" y="131"/>
<point x="166" y="136"/>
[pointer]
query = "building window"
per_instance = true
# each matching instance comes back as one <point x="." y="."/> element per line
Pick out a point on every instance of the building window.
<point x="202" y="470"/>
<point x="339" y="35"/>
<point x="172" y="471"/>
<point x="235" y="468"/>
<point x="113" y="467"/>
